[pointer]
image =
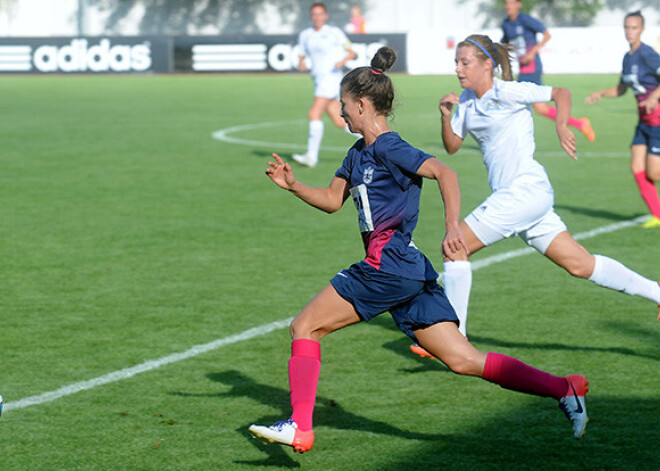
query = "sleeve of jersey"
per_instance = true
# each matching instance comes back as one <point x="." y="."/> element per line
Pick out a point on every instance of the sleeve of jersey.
<point x="652" y="59"/>
<point x="525" y="93"/>
<point x="345" y="170"/>
<point x="458" y="122"/>
<point x="301" y="44"/>
<point x="343" y="39"/>
<point x="533" y="24"/>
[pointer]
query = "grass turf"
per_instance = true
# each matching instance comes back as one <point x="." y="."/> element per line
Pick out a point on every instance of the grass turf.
<point x="128" y="234"/>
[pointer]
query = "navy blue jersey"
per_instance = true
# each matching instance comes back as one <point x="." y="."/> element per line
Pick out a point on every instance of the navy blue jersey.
<point x="521" y="33"/>
<point x="386" y="189"/>
<point x="641" y="72"/>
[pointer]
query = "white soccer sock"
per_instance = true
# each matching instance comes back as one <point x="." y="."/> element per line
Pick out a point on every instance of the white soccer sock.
<point x="457" y="280"/>
<point x="314" y="141"/>
<point x="614" y="275"/>
<point x="356" y="135"/>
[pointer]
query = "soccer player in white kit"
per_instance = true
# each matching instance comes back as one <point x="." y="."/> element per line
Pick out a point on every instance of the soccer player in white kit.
<point x="497" y="114"/>
<point x="328" y="49"/>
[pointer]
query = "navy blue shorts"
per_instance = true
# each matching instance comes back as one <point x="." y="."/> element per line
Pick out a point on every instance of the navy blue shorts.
<point x="648" y="136"/>
<point x="413" y="304"/>
<point x="534" y="78"/>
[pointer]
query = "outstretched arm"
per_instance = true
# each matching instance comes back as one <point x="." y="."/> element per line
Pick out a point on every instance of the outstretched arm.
<point x="328" y="199"/>
<point x="611" y="92"/>
<point x="450" y="140"/>
<point x="451" y="196"/>
<point x="562" y="99"/>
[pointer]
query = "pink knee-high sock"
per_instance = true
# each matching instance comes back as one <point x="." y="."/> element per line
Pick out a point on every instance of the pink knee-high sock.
<point x="649" y="193"/>
<point x="304" y="369"/>
<point x="513" y="374"/>
<point x="552" y="114"/>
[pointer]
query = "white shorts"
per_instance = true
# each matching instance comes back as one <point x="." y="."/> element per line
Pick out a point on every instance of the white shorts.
<point x="327" y="85"/>
<point x="525" y="209"/>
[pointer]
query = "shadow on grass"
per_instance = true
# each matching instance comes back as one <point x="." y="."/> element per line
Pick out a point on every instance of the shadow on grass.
<point x="328" y="412"/>
<point x="623" y="434"/>
<point x="597" y="213"/>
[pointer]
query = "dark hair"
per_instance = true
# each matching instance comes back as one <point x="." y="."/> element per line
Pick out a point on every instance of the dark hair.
<point x="371" y="82"/>
<point x="637" y="14"/>
<point x="318" y="4"/>
<point x="499" y="53"/>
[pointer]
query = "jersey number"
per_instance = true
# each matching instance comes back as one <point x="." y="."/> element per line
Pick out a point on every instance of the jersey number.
<point x="361" y="200"/>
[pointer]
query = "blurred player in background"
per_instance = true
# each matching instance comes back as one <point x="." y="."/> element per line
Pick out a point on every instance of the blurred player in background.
<point x="497" y="115"/>
<point x="520" y="31"/>
<point x="383" y="174"/>
<point x="641" y="73"/>
<point x="328" y="49"/>
<point x="357" y="23"/>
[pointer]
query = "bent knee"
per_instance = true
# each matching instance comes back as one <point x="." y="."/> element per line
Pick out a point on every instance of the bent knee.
<point x="466" y="365"/>
<point x="579" y="269"/>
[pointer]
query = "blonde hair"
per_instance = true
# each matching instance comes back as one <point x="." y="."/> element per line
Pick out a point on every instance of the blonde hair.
<point x="499" y="54"/>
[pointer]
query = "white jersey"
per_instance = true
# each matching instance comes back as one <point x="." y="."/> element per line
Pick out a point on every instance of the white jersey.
<point x="324" y="47"/>
<point x="501" y="123"/>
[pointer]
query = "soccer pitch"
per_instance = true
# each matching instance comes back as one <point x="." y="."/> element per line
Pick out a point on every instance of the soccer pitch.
<point x="148" y="271"/>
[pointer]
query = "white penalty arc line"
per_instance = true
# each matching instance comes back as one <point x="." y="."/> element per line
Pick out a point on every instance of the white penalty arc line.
<point x="256" y="332"/>
<point x="225" y="135"/>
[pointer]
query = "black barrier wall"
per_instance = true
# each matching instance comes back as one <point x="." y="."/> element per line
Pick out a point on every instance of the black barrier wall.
<point x="86" y="55"/>
<point x="182" y="54"/>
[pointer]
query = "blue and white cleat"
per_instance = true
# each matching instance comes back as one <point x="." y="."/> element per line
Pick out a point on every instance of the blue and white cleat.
<point x="573" y="404"/>
<point x="0" y="404"/>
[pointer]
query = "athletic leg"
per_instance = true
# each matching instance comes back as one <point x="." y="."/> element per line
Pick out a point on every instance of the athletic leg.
<point x="645" y="168"/>
<point x="566" y="252"/>
<point x="315" y="133"/>
<point x="583" y="124"/>
<point x="449" y="346"/>
<point x="326" y="313"/>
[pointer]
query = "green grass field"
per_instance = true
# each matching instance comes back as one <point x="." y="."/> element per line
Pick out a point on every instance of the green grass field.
<point x="130" y="234"/>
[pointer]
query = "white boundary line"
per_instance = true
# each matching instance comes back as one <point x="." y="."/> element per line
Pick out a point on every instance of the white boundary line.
<point x="255" y="332"/>
<point x="224" y="135"/>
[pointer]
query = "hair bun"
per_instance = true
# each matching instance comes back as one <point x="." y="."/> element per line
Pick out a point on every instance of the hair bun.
<point x="384" y="59"/>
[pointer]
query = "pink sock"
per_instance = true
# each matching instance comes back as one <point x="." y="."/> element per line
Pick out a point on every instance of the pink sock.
<point x="304" y="369"/>
<point x="552" y="114"/>
<point x="649" y="193"/>
<point x="513" y="374"/>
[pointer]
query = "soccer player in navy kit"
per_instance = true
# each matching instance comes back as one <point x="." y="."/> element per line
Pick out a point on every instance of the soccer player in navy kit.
<point x="383" y="174"/>
<point x="520" y="30"/>
<point x="641" y="73"/>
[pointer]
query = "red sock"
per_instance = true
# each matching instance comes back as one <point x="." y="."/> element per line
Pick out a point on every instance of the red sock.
<point x="552" y="114"/>
<point x="304" y="369"/>
<point x="649" y="193"/>
<point x="513" y="374"/>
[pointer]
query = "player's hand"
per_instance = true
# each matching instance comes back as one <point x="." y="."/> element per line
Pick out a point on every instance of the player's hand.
<point x="592" y="99"/>
<point x="447" y="102"/>
<point x="527" y="58"/>
<point x="454" y="244"/>
<point x="339" y="65"/>
<point x="303" y="67"/>
<point x="567" y="141"/>
<point x="281" y="173"/>
<point x="650" y="104"/>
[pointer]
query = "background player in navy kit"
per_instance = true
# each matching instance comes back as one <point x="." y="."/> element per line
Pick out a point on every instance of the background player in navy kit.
<point x="641" y="73"/>
<point x="328" y="49"/>
<point x="520" y="30"/>
<point x="384" y="174"/>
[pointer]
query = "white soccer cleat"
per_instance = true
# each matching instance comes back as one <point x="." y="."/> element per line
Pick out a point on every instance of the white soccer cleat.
<point x="285" y="433"/>
<point x="304" y="159"/>
<point x="573" y="404"/>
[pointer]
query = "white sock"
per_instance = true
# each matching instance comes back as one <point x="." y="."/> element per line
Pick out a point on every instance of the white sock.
<point x="614" y="275"/>
<point x="356" y="135"/>
<point x="457" y="280"/>
<point x="314" y="141"/>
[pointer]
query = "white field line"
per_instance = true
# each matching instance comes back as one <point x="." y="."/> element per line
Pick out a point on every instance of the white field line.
<point x="225" y="135"/>
<point x="255" y="332"/>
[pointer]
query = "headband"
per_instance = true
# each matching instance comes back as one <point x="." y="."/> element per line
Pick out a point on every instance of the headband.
<point x="483" y="49"/>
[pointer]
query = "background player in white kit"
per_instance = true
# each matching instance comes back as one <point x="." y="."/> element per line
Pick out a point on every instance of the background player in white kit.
<point x="497" y="114"/>
<point x="328" y="49"/>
